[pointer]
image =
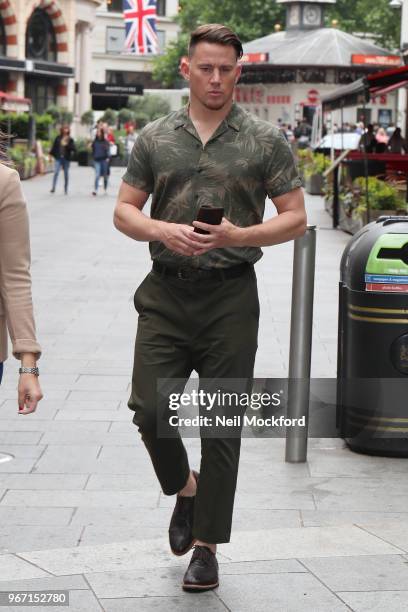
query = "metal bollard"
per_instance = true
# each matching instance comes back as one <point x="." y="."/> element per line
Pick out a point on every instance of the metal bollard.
<point x="300" y="343"/>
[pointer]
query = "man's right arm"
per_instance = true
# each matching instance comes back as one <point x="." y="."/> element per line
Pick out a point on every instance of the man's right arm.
<point x="129" y="219"/>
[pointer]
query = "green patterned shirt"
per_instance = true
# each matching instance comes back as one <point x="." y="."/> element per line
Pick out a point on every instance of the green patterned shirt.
<point x="243" y="161"/>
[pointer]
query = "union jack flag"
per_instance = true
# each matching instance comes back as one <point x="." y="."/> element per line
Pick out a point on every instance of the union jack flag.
<point x="140" y="22"/>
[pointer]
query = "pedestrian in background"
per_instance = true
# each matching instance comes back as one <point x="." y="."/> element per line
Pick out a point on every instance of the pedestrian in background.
<point x="62" y="150"/>
<point x="16" y="310"/>
<point x="397" y="143"/>
<point x="131" y="137"/>
<point x="367" y="140"/>
<point x="100" y="152"/>
<point x="381" y="140"/>
<point x="113" y="147"/>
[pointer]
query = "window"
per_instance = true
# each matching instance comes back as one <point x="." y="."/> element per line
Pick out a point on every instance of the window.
<point x="114" y="6"/>
<point x="3" y="46"/>
<point x="161" y="40"/>
<point x="40" y="38"/>
<point x="161" y="8"/>
<point x="115" y="40"/>
<point x="43" y="92"/>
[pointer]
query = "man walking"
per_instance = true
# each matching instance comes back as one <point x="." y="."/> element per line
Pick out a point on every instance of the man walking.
<point x="198" y="307"/>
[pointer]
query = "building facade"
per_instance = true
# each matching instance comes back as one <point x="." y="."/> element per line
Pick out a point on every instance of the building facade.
<point x="286" y="73"/>
<point x="112" y="69"/>
<point x="41" y="44"/>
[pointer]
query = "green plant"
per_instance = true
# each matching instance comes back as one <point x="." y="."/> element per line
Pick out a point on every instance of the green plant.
<point x="141" y="119"/>
<point x="327" y="188"/>
<point x="316" y="163"/>
<point x="303" y="158"/>
<point x="382" y="195"/>
<point x="59" y="115"/>
<point x="125" y="115"/>
<point x="150" y="106"/>
<point x="109" y="117"/>
<point x="18" y="124"/>
<point x="87" y="118"/>
<point x="43" y="125"/>
<point x="82" y="144"/>
<point x="17" y="154"/>
<point x="29" y="163"/>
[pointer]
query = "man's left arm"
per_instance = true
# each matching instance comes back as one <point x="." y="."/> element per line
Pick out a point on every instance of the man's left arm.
<point x="290" y="223"/>
<point x="282" y="185"/>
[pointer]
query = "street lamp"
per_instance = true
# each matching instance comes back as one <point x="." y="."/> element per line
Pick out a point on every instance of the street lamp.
<point x="396" y="4"/>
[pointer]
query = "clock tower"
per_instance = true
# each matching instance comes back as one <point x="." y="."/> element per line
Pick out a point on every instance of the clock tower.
<point x="305" y="14"/>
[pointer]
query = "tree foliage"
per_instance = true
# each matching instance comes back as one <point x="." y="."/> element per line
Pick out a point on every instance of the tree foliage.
<point x="257" y="18"/>
<point x="110" y="117"/>
<point x="60" y="115"/>
<point x="376" y="18"/>
<point x="148" y="107"/>
<point x="87" y="118"/>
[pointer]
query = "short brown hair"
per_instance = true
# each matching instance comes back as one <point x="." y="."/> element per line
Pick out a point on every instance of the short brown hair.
<point x="215" y="33"/>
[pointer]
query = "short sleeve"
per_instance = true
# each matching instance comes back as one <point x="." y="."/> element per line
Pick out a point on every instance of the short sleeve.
<point x="281" y="173"/>
<point x="139" y="171"/>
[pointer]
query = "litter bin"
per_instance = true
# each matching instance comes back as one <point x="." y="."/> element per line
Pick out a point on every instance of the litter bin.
<point x="372" y="358"/>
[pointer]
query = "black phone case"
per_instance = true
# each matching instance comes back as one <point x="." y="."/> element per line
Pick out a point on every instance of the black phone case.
<point x="211" y="215"/>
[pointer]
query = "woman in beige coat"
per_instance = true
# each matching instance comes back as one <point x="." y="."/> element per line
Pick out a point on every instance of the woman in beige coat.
<point x="16" y="310"/>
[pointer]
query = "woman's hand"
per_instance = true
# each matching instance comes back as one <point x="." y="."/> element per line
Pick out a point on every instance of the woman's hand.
<point x="29" y="393"/>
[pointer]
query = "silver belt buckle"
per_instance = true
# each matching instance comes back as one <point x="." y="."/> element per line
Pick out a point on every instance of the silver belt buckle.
<point x="180" y="274"/>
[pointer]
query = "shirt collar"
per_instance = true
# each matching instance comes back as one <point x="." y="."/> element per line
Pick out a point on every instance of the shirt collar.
<point x="234" y="118"/>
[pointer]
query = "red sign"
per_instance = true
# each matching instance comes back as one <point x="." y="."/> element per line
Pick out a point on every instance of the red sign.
<point x="256" y="95"/>
<point x="382" y="99"/>
<point x="278" y="99"/>
<point x="378" y="60"/>
<point x="253" y="58"/>
<point x="313" y="96"/>
<point x="387" y="288"/>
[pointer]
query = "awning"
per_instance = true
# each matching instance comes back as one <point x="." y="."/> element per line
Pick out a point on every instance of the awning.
<point x="9" y="102"/>
<point x="360" y="91"/>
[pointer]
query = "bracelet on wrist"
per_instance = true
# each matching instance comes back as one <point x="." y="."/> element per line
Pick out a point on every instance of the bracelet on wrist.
<point x="34" y="371"/>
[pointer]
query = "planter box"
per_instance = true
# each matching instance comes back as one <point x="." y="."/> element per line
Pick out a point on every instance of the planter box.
<point x="84" y="158"/>
<point x="351" y="225"/>
<point x="314" y="184"/>
<point x="328" y="204"/>
<point x="117" y="162"/>
<point x="354" y="224"/>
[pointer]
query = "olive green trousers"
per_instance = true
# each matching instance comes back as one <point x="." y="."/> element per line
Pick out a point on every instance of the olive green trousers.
<point x="210" y="326"/>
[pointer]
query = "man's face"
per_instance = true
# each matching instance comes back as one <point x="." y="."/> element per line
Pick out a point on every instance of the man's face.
<point x="212" y="71"/>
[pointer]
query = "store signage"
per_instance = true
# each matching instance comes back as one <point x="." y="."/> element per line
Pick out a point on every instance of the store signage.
<point x="378" y="60"/>
<point x="120" y="90"/>
<point x="254" y="58"/>
<point x="256" y="95"/>
<point x="313" y="96"/>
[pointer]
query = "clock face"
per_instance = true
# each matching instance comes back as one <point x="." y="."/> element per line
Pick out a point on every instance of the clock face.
<point x="311" y="15"/>
<point x="294" y="15"/>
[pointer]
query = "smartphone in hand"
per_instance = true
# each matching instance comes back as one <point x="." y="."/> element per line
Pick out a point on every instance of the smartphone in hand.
<point x="209" y="214"/>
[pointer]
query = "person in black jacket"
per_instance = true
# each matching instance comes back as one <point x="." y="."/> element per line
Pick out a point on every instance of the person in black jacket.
<point x="101" y="155"/>
<point x="62" y="150"/>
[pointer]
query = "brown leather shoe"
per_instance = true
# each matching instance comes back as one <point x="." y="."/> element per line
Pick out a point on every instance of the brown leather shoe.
<point x="181" y="524"/>
<point x="202" y="573"/>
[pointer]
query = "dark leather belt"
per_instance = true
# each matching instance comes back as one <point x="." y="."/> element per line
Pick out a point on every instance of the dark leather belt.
<point x="193" y="274"/>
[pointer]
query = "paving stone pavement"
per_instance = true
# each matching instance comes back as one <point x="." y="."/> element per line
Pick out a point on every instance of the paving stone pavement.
<point x="80" y="508"/>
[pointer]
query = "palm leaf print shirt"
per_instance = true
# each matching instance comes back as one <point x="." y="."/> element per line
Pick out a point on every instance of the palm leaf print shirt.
<point x="244" y="160"/>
